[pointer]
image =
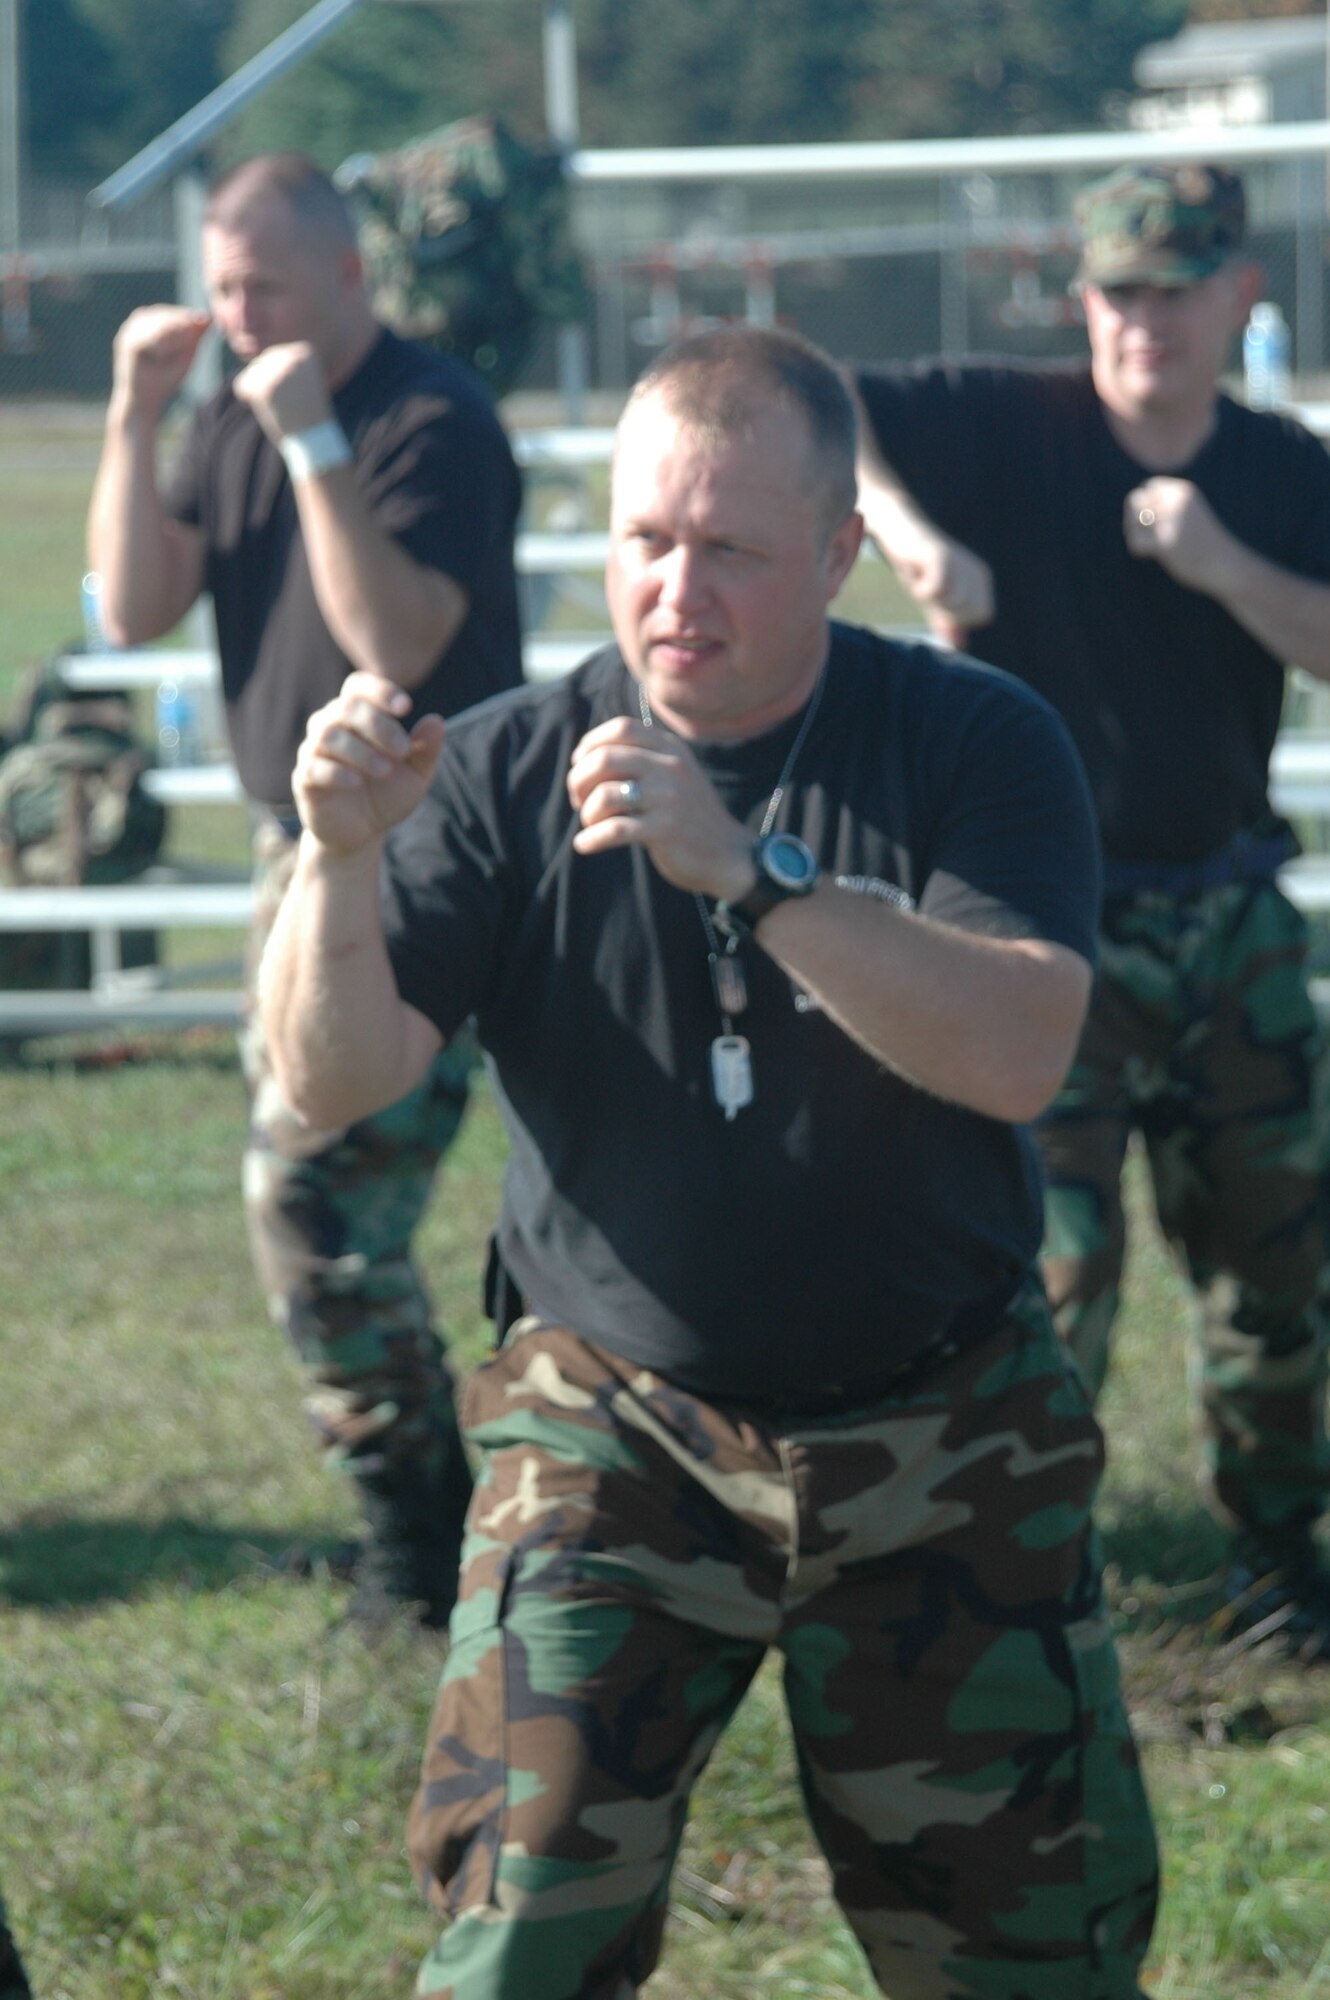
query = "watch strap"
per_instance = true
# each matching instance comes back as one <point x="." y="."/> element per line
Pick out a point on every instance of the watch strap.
<point x="741" y="917"/>
<point x="319" y="449"/>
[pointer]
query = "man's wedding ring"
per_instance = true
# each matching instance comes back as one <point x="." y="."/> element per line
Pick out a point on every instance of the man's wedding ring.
<point x="1146" y="517"/>
<point x="630" y="795"/>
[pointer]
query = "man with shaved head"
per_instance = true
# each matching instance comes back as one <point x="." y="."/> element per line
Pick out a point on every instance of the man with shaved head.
<point x="775" y="933"/>
<point x="349" y="501"/>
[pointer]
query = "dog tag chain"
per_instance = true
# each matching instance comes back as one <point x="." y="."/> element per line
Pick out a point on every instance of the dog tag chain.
<point x="731" y="1053"/>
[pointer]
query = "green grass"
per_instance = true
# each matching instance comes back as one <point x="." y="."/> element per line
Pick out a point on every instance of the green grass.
<point x="203" y="1773"/>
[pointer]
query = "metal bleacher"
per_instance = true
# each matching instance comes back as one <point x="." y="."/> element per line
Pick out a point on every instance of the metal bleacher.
<point x="174" y="897"/>
<point x="179" y="896"/>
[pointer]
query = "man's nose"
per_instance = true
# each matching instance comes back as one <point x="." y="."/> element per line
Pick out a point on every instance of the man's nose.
<point x="682" y="582"/>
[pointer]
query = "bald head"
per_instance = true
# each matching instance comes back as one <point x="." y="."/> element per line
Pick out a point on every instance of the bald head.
<point x="317" y="211"/>
<point x="722" y="385"/>
<point x="281" y="265"/>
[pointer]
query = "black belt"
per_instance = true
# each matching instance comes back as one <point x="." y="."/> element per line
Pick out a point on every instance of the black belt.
<point x="967" y="1328"/>
<point x="1246" y="859"/>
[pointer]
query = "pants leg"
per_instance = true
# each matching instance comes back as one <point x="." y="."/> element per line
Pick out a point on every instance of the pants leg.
<point x="1120" y="1062"/>
<point x="330" y="1218"/>
<point x="1238" y="1190"/>
<point x="926" y="1566"/>
<point x="586" y="1683"/>
<point x="963" y="1745"/>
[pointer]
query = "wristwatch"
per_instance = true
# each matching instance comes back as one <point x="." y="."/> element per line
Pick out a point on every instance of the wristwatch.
<point x="786" y="866"/>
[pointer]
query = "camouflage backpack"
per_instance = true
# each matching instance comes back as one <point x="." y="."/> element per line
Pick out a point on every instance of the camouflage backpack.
<point x="467" y="242"/>
<point x="72" y="810"/>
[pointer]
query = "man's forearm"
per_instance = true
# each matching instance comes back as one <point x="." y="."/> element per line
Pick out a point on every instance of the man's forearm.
<point x="343" y="1042"/>
<point x="390" y="614"/>
<point x="988" y="1023"/>
<point x="1288" y="614"/>
<point x="150" y="566"/>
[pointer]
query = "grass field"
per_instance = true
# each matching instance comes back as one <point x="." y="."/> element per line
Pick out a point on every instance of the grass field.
<point x="203" y="1772"/>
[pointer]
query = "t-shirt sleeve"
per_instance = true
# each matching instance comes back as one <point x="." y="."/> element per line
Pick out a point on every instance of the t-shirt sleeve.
<point x="1309" y="554"/>
<point x="183" y="487"/>
<point x="445" y="897"/>
<point x="445" y="488"/>
<point x="944" y="431"/>
<point x="1015" y="852"/>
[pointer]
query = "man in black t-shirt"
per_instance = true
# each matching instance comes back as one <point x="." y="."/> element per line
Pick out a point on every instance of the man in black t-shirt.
<point x="1149" y="555"/>
<point x="774" y="933"/>
<point x="348" y="500"/>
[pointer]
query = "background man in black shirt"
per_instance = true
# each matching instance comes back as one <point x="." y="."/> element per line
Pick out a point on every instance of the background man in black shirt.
<point x="1149" y="555"/>
<point x="775" y="933"/>
<point x="348" y="500"/>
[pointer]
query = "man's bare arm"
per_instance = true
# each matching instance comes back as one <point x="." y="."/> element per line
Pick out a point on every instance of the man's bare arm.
<point x="151" y="566"/>
<point x="344" y="1043"/>
<point x="1171" y="522"/>
<point x="952" y="583"/>
<point x="389" y="613"/>
<point x="989" y="1023"/>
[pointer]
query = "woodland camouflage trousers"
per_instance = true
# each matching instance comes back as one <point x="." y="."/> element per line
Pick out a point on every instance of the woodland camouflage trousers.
<point x="1202" y="1037"/>
<point x="927" y="1569"/>
<point x="331" y="1217"/>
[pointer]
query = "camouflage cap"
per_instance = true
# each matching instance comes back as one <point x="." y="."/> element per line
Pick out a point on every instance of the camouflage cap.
<point x="1159" y="225"/>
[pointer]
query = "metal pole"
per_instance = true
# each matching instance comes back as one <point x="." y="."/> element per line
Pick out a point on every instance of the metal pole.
<point x="190" y="134"/>
<point x="563" y="124"/>
<point x="190" y="200"/>
<point x="11" y="144"/>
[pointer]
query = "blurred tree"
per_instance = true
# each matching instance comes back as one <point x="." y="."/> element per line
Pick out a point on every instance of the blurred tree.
<point x="393" y="70"/>
<point x="102" y="77"/>
<point x="861" y="69"/>
<point x="976" y="67"/>
<point x="723" y="74"/>
<point x="70" y="93"/>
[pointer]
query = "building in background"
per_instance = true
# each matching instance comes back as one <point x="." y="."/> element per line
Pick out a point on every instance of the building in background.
<point x="1233" y="73"/>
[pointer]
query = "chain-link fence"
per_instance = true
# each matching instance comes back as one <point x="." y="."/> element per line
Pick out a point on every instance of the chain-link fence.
<point x="875" y="259"/>
<point x="953" y="263"/>
<point x="874" y="251"/>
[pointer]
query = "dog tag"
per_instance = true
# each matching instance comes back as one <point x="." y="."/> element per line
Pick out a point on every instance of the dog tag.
<point x="728" y="982"/>
<point x="731" y="1073"/>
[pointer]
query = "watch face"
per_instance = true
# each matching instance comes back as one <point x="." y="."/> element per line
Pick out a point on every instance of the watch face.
<point x="787" y="861"/>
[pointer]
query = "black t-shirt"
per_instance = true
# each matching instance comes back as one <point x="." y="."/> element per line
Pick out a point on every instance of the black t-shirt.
<point x="828" y="1230"/>
<point x="436" y="472"/>
<point x="1171" y="703"/>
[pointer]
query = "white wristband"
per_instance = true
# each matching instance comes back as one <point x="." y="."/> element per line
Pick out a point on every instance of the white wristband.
<point x="308" y="453"/>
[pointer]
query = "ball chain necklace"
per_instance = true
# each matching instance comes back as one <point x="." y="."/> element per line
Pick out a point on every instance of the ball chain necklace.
<point x="731" y="1053"/>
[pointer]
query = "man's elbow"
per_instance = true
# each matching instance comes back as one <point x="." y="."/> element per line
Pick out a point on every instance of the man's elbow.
<point x="408" y="648"/>
<point x="1029" y="1088"/>
<point x="321" y="1102"/>
<point x="1040" y="1061"/>
<point x="123" y="631"/>
<point x="134" y="622"/>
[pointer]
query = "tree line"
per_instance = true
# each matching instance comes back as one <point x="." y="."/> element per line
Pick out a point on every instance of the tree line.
<point x="102" y="77"/>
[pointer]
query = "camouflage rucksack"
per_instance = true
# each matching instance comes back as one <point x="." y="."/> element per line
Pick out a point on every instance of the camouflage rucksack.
<point x="72" y="810"/>
<point x="467" y="243"/>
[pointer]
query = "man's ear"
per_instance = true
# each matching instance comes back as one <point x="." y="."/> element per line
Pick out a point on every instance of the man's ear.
<point x="842" y="550"/>
<point x="1249" y="286"/>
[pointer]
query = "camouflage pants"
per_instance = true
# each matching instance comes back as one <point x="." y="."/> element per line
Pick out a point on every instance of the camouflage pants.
<point x="330" y="1218"/>
<point x="1202" y="1037"/>
<point x="926" y="1568"/>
